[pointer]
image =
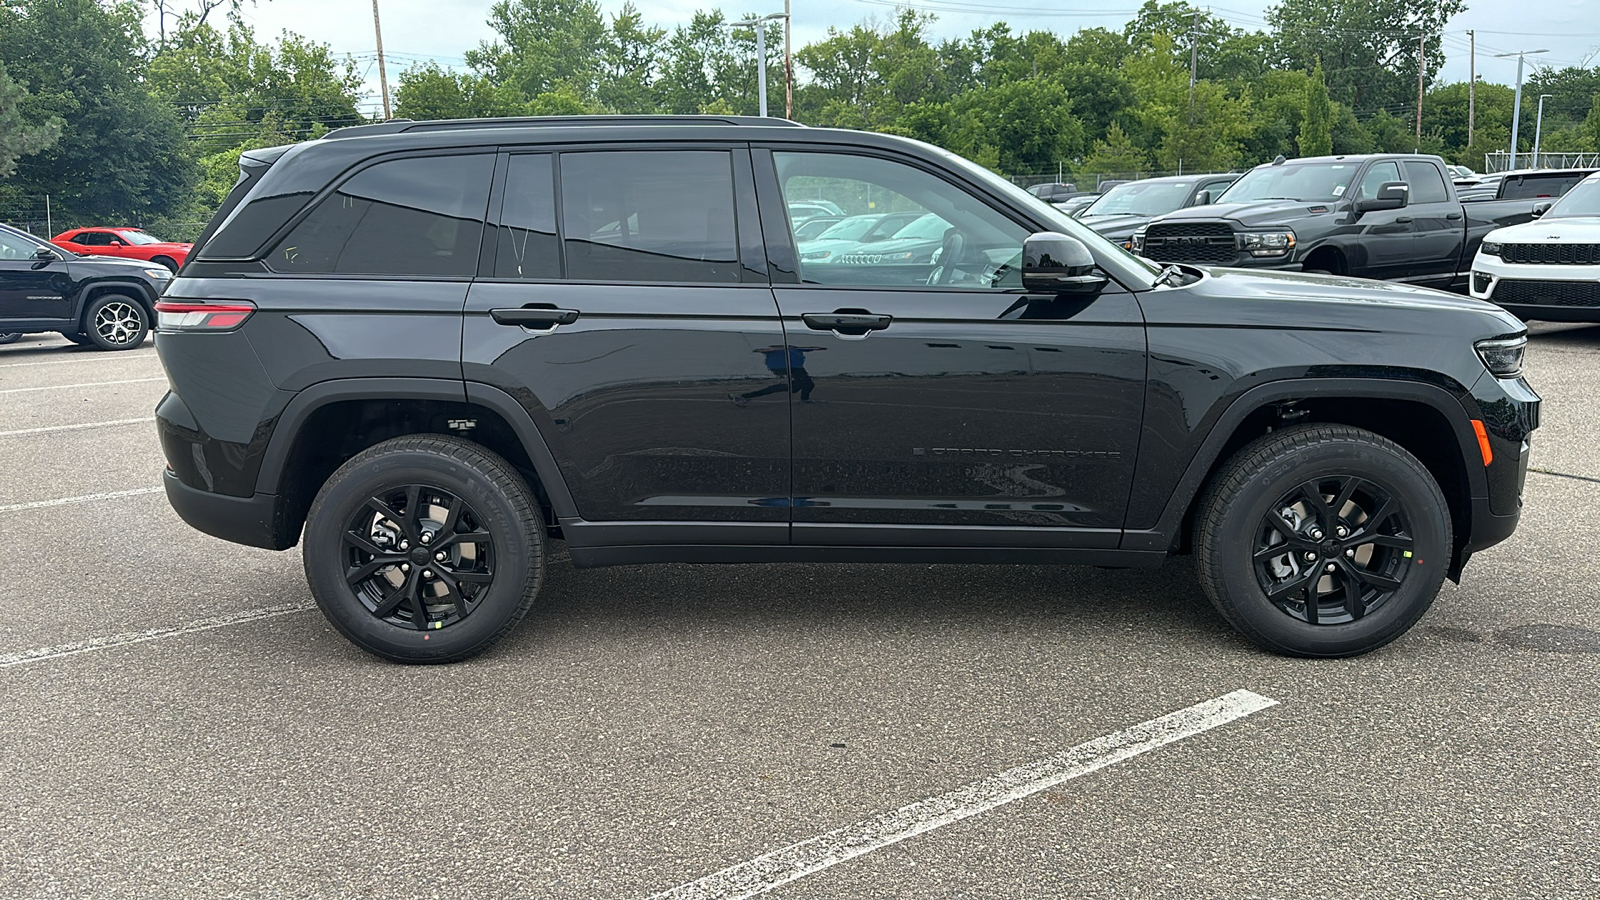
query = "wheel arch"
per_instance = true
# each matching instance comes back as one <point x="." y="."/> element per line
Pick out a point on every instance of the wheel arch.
<point x="1330" y="257"/>
<point x="330" y="422"/>
<point x="1411" y="414"/>
<point x="96" y="289"/>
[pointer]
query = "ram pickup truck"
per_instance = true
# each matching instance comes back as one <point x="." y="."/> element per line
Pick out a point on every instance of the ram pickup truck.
<point x="1388" y="216"/>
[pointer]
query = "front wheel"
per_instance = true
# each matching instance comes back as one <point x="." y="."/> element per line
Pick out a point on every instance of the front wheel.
<point x="116" y="322"/>
<point x="425" y="549"/>
<point x="1322" y="541"/>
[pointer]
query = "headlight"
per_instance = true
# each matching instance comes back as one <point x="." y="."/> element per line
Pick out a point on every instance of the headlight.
<point x="1503" y="356"/>
<point x="814" y="255"/>
<point x="1137" y="244"/>
<point x="1270" y="243"/>
<point x="1490" y="248"/>
<point x="157" y="274"/>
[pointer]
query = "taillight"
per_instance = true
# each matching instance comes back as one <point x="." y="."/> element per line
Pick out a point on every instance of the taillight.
<point x="175" y="315"/>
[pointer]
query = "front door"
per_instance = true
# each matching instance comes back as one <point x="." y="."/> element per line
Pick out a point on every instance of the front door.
<point x="1387" y="235"/>
<point x="932" y="399"/>
<point x="31" y="289"/>
<point x="634" y="321"/>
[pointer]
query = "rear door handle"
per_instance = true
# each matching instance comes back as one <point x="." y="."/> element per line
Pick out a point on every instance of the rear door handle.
<point x="846" y="322"/>
<point x="535" y="317"/>
<point x="1454" y="215"/>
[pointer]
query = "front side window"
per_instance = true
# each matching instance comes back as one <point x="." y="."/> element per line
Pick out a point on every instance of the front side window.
<point x="405" y="217"/>
<point x="649" y="215"/>
<point x="1377" y="176"/>
<point x="1583" y="200"/>
<point x="136" y="238"/>
<point x="904" y="227"/>
<point x="93" y="239"/>
<point x="13" y="247"/>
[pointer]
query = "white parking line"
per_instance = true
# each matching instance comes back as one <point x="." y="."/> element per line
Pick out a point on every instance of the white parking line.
<point x="86" y="498"/>
<point x="38" y="654"/>
<point x="64" y="387"/>
<point x="796" y="861"/>
<point x="79" y="427"/>
<point x="80" y="358"/>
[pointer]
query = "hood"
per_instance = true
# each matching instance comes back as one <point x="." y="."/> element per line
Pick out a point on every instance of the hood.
<point x="1119" y="226"/>
<point x="114" y="264"/>
<point x="1292" y="299"/>
<point x="1255" y="214"/>
<point x="1564" y="230"/>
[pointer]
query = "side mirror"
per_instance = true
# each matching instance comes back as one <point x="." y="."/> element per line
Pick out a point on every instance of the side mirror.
<point x="1542" y="207"/>
<point x="1201" y="199"/>
<point x="1392" y="195"/>
<point x="1053" y="263"/>
<point x="45" y="254"/>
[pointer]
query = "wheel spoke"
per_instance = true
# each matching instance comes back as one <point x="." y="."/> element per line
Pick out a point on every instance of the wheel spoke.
<point x="1345" y="493"/>
<point x="1287" y="589"/>
<point x="453" y="592"/>
<point x="419" y="607"/>
<point x="472" y="577"/>
<point x="1273" y="552"/>
<point x="414" y="509"/>
<point x="1398" y="541"/>
<point x="398" y="596"/>
<point x="1292" y="538"/>
<point x="1377" y="580"/>
<point x="372" y="567"/>
<point x="465" y="537"/>
<point x="1348" y="579"/>
<point x="364" y="545"/>
<point x="1312" y="491"/>
<point x="387" y="511"/>
<point x="1309" y="598"/>
<point x="1376" y="520"/>
<point x="452" y="516"/>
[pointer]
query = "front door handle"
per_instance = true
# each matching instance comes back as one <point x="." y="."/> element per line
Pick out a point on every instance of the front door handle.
<point x="535" y="316"/>
<point x="1453" y="215"/>
<point x="1403" y="220"/>
<point x="846" y="322"/>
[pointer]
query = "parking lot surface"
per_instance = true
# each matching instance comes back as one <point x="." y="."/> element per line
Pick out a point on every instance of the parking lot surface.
<point x="179" y="721"/>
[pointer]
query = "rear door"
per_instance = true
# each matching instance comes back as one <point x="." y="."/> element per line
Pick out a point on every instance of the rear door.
<point x="1440" y="226"/>
<point x="934" y="401"/>
<point x="625" y="304"/>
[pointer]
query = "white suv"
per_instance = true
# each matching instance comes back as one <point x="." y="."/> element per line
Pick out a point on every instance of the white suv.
<point x="1548" y="268"/>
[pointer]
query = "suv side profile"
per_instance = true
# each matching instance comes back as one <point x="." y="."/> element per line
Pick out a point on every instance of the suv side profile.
<point x="424" y="350"/>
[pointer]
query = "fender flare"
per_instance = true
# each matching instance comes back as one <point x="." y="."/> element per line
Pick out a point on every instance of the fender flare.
<point x="300" y="408"/>
<point x="140" y="292"/>
<point x="1193" y="480"/>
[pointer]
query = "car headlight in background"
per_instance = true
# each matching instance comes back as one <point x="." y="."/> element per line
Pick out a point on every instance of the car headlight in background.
<point x="1490" y="248"/>
<point x="815" y="255"/>
<point x="1137" y="243"/>
<point x="157" y="274"/>
<point x="1503" y="356"/>
<point x="1267" y="243"/>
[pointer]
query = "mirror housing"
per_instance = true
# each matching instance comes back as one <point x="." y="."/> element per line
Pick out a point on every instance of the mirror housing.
<point x="1542" y="207"/>
<point x="1053" y="263"/>
<point x="1392" y="195"/>
<point x="1201" y="199"/>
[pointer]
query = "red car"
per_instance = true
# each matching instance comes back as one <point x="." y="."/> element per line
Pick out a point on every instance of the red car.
<point x="128" y="243"/>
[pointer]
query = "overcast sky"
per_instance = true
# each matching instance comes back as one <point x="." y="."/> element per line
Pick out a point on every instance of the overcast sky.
<point x="443" y="30"/>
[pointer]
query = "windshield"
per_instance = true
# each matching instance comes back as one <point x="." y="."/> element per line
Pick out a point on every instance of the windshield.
<point x="1306" y="182"/>
<point x="850" y="229"/>
<point x="1131" y="268"/>
<point x="927" y="228"/>
<point x="1583" y="200"/>
<point x="136" y="237"/>
<point x="1141" y="198"/>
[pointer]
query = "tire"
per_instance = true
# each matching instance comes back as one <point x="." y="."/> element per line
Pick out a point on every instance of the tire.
<point x="1384" y="574"/>
<point x="170" y="264"/>
<point x="10" y="338"/>
<point x="401" y="491"/>
<point x="115" y="322"/>
<point x="78" y="337"/>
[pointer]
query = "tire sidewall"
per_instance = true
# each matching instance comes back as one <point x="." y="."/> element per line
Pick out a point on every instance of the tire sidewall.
<point x="1242" y="516"/>
<point x="515" y="553"/>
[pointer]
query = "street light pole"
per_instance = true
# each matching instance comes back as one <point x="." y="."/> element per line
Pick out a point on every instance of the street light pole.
<point x="788" y="62"/>
<point x="1538" y="128"/>
<point x="1516" y="104"/>
<point x="759" y="24"/>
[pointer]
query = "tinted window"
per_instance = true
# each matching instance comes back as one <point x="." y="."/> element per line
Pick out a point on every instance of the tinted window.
<point x="93" y="239"/>
<point x="420" y="216"/>
<point x="1540" y="184"/>
<point x="527" y="239"/>
<point x="1379" y="175"/>
<point x="1426" y="185"/>
<point x="907" y="227"/>
<point x="655" y="215"/>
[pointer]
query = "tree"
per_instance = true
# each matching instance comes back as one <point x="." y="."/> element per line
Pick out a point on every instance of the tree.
<point x="429" y="92"/>
<point x="543" y="45"/>
<point x="1369" y="46"/>
<point x="627" y="76"/>
<point x="1116" y="155"/>
<point x="18" y="137"/>
<point x="1316" y="130"/>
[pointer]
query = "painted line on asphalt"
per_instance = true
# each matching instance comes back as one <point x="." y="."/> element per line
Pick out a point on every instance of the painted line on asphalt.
<point x="80" y="358"/>
<point x="86" y="498"/>
<point x="39" y="654"/>
<point x="1564" y="475"/>
<point x="796" y="861"/>
<point x="46" y="429"/>
<point x="65" y="387"/>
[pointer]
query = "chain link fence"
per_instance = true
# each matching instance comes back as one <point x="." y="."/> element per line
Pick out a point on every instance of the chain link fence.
<point x="36" y="218"/>
<point x="1085" y="181"/>
<point x="1500" y="161"/>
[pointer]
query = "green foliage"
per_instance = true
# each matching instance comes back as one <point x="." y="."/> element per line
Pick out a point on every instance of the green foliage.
<point x="18" y="138"/>
<point x="1116" y="155"/>
<point x="1316" y="129"/>
<point x="1370" y="47"/>
<point x="430" y="92"/>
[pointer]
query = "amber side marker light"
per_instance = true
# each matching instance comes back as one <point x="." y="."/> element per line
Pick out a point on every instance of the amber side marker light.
<point x="1483" y="441"/>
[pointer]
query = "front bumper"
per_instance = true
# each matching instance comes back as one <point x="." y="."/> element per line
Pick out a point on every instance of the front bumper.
<point x="1533" y="291"/>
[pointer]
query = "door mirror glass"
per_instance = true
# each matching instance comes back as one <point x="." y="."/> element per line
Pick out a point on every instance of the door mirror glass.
<point x="1053" y="263"/>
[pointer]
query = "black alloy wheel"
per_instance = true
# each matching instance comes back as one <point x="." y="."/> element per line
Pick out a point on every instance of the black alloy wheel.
<point x="1322" y="540"/>
<point x="425" y="548"/>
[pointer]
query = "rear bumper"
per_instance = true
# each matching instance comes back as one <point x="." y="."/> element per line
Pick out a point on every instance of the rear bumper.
<point x="252" y="521"/>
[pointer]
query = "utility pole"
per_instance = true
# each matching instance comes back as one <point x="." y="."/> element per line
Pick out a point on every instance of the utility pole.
<point x="1538" y="128"/>
<point x="1472" y="90"/>
<point x="788" y="62"/>
<point x="1516" y="104"/>
<point x="383" y="76"/>
<point x="1422" y="71"/>
<point x="1194" y="59"/>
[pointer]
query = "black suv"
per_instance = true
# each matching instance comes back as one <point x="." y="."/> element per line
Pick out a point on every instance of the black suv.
<point x="97" y="301"/>
<point x="434" y="347"/>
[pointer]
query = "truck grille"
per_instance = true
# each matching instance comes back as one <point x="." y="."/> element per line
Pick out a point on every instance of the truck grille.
<point x="1197" y="242"/>
<point x="1546" y="293"/>
<point x="1551" y="254"/>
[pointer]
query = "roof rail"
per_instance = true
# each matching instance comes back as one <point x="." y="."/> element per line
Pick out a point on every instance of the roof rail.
<point x="405" y="126"/>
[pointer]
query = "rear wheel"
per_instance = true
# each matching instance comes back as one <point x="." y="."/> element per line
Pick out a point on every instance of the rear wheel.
<point x="10" y="338"/>
<point x="1322" y="540"/>
<point x="78" y="337"/>
<point x="425" y="549"/>
<point x="167" y="261"/>
<point x="116" y="322"/>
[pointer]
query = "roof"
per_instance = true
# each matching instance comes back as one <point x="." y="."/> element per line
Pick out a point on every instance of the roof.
<point x="407" y="126"/>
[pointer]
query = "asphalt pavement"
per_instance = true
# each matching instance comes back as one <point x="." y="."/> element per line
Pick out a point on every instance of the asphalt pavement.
<point x="179" y="721"/>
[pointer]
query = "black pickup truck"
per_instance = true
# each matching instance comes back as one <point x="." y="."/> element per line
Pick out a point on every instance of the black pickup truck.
<point x="1389" y="216"/>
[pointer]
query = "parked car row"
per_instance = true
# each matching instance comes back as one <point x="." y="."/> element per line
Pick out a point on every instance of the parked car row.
<point x="97" y="301"/>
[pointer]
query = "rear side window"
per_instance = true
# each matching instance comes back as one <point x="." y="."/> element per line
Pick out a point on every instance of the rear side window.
<point x="527" y="233"/>
<point x="649" y="215"/>
<point x="418" y="217"/>
<point x="1426" y="184"/>
<point x="1539" y="185"/>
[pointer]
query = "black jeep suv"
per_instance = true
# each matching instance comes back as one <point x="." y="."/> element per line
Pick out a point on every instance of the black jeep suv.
<point x="97" y="301"/>
<point x="434" y="347"/>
